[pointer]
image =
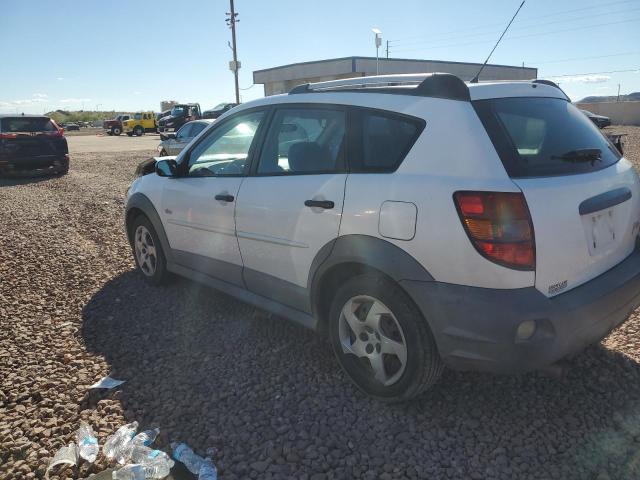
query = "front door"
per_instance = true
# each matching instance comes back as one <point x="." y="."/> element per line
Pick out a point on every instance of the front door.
<point x="291" y="204"/>
<point x="198" y="205"/>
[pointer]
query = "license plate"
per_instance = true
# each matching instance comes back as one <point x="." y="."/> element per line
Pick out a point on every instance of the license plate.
<point x="602" y="231"/>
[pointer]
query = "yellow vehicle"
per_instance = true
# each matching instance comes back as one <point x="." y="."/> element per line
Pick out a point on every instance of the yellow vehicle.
<point x="140" y="123"/>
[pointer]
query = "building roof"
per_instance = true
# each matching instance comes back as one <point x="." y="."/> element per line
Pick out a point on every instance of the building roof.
<point x="356" y="64"/>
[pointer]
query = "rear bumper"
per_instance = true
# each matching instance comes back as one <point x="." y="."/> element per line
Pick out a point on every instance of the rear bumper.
<point x="475" y="328"/>
<point x="39" y="164"/>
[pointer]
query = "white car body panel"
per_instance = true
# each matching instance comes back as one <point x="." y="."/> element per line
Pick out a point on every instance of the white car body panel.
<point x="277" y="233"/>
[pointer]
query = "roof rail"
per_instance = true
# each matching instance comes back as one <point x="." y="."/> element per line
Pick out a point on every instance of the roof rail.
<point x="439" y="85"/>
<point x="542" y="81"/>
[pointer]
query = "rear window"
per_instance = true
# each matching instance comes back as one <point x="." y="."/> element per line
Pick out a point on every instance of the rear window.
<point x="537" y="137"/>
<point x="26" y="124"/>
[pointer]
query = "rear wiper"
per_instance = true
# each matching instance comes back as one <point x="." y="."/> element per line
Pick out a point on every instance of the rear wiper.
<point x="583" y="155"/>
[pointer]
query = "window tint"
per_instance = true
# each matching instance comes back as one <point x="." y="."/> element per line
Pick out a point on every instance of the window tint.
<point x="225" y="149"/>
<point x="185" y="131"/>
<point x="544" y="137"/>
<point x="196" y="128"/>
<point x="27" y="124"/>
<point x="384" y="141"/>
<point x="304" y="140"/>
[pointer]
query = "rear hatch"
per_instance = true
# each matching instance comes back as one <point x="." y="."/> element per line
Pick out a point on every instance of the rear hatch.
<point x="584" y="198"/>
<point x="30" y="138"/>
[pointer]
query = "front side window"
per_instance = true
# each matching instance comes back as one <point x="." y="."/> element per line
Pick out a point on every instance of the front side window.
<point x="537" y="136"/>
<point x="138" y="116"/>
<point x="185" y="131"/>
<point x="304" y="140"/>
<point x="225" y="150"/>
<point x="196" y="128"/>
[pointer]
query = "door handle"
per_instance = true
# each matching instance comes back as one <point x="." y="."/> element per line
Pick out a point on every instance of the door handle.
<point x="326" y="204"/>
<point x="224" y="197"/>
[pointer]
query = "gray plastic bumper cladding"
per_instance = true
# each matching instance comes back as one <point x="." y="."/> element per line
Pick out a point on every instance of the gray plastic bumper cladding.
<point x="475" y="328"/>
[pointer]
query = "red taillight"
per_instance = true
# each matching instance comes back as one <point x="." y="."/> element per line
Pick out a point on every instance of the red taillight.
<point x="499" y="226"/>
<point x="6" y="136"/>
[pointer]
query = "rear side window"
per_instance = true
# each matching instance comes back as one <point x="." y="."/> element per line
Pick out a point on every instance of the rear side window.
<point x="538" y="137"/>
<point x="382" y="140"/>
<point x="26" y="124"/>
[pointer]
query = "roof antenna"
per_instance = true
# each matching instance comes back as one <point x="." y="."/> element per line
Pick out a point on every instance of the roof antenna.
<point x="475" y="79"/>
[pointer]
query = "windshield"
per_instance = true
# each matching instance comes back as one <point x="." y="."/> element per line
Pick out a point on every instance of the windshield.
<point x="177" y="111"/>
<point x="544" y="137"/>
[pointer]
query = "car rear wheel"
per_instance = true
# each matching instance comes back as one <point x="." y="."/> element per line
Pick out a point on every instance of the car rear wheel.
<point x="381" y="340"/>
<point x="147" y="251"/>
<point x="116" y="131"/>
<point x="138" y="131"/>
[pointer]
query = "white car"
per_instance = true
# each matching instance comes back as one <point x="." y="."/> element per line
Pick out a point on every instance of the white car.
<point x="417" y="221"/>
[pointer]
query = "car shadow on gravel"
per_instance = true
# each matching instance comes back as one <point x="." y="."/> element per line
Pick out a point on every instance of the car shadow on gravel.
<point x="25" y="180"/>
<point x="270" y="397"/>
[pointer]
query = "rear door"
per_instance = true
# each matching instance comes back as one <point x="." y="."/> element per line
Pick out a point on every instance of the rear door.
<point x="291" y="205"/>
<point x="31" y="139"/>
<point x="583" y="198"/>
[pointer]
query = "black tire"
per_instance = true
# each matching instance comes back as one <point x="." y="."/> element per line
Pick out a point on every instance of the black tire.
<point x="116" y="131"/>
<point x="423" y="363"/>
<point x="138" y="131"/>
<point x="160" y="274"/>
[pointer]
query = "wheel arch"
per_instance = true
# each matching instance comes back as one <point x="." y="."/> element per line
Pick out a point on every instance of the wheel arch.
<point x="352" y="255"/>
<point x="139" y="204"/>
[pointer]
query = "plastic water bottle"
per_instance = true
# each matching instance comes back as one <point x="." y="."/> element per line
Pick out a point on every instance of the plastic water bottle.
<point x="158" y="469"/>
<point x="117" y="444"/>
<point x="208" y="470"/>
<point x="87" y="442"/>
<point x="129" y="472"/>
<point x="144" y="455"/>
<point x="184" y="454"/>
<point x="146" y="438"/>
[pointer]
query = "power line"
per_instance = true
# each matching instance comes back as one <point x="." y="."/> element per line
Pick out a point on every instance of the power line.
<point x="637" y="69"/>
<point x="537" y="34"/>
<point x="524" y="19"/>
<point x="583" y="58"/>
<point x="516" y="29"/>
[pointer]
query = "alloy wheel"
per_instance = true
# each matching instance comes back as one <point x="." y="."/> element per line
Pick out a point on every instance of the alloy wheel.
<point x="145" y="251"/>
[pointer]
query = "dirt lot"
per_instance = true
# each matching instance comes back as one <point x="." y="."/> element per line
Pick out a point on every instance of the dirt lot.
<point x="266" y="394"/>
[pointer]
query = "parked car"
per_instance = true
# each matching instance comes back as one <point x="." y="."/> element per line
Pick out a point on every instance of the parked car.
<point x="140" y="123"/>
<point x="180" y="114"/>
<point x="218" y="110"/>
<point x="481" y="226"/>
<point x="166" y="113"/>
<point x="599" y="120"/>
<point x="114" y="126"/>
<point x="32" y="144"/>
<point x="71" y="126"/>
<point x="173" y="143"/>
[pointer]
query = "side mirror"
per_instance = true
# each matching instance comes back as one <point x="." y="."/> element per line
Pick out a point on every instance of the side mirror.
<point x="166" y="168"/>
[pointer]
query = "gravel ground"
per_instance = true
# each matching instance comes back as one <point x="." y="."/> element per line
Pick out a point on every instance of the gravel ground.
<point x="266" y="394"/>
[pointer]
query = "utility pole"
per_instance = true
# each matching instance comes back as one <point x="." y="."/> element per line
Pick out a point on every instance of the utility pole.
<point x="231" y="22"/>
<point x="618" y="93"/>
<point x="387" y="48"/>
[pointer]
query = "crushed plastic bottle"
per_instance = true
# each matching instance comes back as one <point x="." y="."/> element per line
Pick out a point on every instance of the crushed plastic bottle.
<point x="143" y="455"/>
<point x="208" y="470"/>
<point x="117" y="444"/>
<point x="158" y="469"/>
<point x="129" y="472"/>
<point x="87" y="442"/>
<point x="184" y="454"/>
<point x="65" y="455"/>
<point x="146" y="438"/>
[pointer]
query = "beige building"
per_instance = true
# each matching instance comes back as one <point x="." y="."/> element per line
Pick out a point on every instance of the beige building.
<point x="282" y="79"/>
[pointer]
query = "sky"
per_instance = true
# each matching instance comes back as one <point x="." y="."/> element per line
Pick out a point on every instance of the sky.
<point x="127" y="56"/>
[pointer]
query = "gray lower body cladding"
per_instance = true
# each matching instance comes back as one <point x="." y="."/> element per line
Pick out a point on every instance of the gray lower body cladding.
<point x="475" y="328"/>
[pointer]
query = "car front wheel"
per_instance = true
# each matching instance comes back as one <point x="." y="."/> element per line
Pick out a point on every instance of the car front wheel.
<point x="138" y="131"/>
<point x="116" y="131"/>
<point x="381" y="339"/>
<point x="148" y="252"/>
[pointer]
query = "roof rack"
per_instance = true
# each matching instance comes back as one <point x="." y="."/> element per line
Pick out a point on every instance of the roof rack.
<point x="439" y="85"/>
